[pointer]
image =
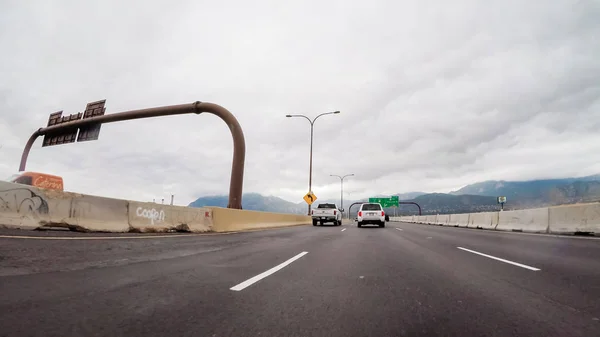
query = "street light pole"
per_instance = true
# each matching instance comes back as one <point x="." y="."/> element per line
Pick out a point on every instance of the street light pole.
<point x="342" y="189"/>
<point x="312" y="128"/>
<point x="312" y="124"/>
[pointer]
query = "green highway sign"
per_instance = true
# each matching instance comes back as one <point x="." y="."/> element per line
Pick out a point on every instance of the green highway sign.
<point x="386" y="202"/>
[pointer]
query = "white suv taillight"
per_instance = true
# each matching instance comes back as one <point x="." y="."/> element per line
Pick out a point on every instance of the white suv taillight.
<point x="334" y="212"/>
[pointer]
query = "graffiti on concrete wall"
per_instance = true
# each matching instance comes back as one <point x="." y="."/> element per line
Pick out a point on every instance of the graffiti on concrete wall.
<point x="152" y="214"/>
<point x="22" y="201"/>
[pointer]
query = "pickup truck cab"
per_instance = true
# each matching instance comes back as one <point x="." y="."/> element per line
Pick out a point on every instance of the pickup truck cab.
<point x="371" y="213"/>
<point x="326" y="213"/>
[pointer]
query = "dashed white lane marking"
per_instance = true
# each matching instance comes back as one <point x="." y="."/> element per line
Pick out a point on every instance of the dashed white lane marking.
<point x="107" y="237"/>
<point x="261" y="276"/>
<point x="344" y="229"/>
<point x="400" y="229"/>
<point x="501" y="260"/>
<point x="429" y="237"/>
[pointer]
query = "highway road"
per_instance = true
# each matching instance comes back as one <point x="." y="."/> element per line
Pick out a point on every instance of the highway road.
<point x="402" y="280"/>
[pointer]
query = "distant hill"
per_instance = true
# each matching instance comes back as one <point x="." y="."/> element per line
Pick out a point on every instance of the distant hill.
<point x="535" y="193"/>
<point x="436" y="202"/>
<point x="476" y="197"/>
<point x="401" y="196"/>
<point x="441" y="203"/>
<point x="409" y="195"/>
<point x="258" y="202"/>
<point x="253" y="202"/>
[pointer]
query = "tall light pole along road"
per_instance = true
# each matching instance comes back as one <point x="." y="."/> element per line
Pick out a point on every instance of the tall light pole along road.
<point x="312" y="124"/>
<point x="342" y="190"/>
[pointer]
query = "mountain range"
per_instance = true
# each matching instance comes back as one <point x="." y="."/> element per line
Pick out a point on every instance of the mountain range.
<point x="476" y="197"/>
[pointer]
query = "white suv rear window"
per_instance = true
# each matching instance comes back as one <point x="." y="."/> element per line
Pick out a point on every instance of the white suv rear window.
<point x="371" y="207"/>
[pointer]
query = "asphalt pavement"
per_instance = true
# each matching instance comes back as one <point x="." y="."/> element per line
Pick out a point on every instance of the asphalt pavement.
<point x="402" y="280"/>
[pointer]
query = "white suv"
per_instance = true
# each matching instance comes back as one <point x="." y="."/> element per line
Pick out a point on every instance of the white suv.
<point x="371" y="213"/>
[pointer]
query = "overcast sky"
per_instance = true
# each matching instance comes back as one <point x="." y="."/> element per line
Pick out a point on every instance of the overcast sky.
<point x="434" y="95"/>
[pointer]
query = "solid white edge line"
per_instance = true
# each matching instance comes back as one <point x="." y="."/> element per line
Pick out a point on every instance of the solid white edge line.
<point x="108" y="237"/>
<point x="499" y="259"/>
<point x="344" y="229"/>
<point x="260" y="276"/>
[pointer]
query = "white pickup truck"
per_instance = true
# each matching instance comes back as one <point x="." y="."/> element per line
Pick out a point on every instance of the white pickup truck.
<point x="326" y="213"/>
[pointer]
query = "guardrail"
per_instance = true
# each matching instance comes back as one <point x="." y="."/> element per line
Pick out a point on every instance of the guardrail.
<point x="565" y="219"/>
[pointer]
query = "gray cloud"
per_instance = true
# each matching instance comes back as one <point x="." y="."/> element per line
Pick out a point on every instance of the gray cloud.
<point x="433" y="95"/>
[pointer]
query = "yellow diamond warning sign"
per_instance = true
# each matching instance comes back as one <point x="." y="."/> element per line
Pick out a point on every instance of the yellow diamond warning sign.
<point x="310" y="198"/>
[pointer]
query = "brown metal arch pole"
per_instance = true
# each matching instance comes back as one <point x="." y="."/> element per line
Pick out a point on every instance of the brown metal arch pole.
<point x="410" y="203"/>
<point x="356" y="203"/>
<point x="239" y="143"/>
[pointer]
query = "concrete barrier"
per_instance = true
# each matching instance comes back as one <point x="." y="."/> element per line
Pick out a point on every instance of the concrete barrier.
<point x="565" y="219"/>
<point x="91" y="213"/>
<point x="228" y="220"/>
<point x="28" y="207"/>
<point x="484" y="220"/>
<point x="459" y="220"/>
<point x="526" y="220"/>
<point x="571" y="219"/>
<point x="442" y="219"/>
<point x="152" y="217"/>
